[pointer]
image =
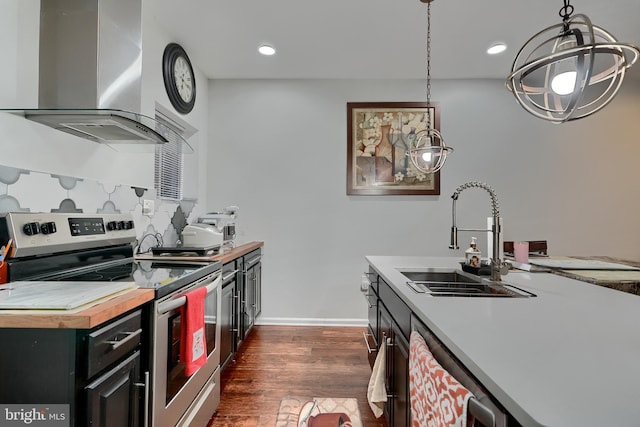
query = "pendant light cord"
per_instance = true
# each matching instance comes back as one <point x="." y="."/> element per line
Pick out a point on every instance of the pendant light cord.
<point x="428" y="65"/>
<point x="565" y="13"/>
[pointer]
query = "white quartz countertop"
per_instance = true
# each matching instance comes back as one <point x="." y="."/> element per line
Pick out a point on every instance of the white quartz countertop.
<point x="568" y="357"/>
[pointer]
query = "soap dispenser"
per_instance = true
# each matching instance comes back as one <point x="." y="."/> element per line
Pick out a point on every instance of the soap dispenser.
<point x="472" y="254"/>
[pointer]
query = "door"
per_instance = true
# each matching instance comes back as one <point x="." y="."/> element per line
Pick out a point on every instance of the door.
<point x="251" y="296"/>
<point x="113" y="398"/>
<point x="400" y="380"/>
<point x="228" y="314"/>
<point x="397" y="369"/>
<point x="385" y="330"/>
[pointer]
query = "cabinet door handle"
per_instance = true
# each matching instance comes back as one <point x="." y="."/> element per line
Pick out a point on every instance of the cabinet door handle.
<point x="366" y="297"/>
<point x="366" y="342"/>
<point x="253" y="261"/>
<point x="233" y="273"/>
<point x="145" y="422"/>
<point x="129" y="337"/>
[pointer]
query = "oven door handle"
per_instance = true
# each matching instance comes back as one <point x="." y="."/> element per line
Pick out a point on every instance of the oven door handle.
<point x="167" y="306"/>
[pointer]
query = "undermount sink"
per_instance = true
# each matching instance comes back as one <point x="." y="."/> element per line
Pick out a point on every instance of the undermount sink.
<point x="449" y="276"/>
<point x="456" y="283"/>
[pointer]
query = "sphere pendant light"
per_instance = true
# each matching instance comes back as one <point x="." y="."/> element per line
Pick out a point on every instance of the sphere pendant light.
<point x="427" y="151"/>
<point x="569" y="70"/>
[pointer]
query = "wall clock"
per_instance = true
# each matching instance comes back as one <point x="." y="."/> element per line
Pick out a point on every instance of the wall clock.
<point x="179" y="80"/>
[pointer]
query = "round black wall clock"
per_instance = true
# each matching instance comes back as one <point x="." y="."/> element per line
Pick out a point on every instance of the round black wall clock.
<point x="179" y="80"/>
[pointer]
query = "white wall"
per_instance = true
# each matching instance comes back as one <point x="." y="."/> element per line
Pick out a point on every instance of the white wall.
<point x="31" y="146"/>
<point x="278" y="151"/>
<point x="155" y="39"/>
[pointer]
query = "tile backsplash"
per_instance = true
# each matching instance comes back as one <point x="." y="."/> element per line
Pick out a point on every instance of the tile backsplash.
<point x="30" y="191"/>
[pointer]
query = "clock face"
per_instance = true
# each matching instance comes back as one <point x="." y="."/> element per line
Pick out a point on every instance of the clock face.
<point x="184" y="78"/>
<point x="179" y="79"/>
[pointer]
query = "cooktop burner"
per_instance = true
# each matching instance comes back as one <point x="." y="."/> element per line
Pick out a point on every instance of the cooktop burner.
<point x="163" y="277"/>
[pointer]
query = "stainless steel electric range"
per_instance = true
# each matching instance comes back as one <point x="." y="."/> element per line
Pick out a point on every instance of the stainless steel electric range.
<point x="85" y="248"/>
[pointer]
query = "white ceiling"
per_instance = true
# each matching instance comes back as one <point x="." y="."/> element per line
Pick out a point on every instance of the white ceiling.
<point x="374" y="39"/>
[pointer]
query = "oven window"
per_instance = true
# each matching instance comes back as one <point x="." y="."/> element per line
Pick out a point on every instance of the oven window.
<point x="176" y="378"/>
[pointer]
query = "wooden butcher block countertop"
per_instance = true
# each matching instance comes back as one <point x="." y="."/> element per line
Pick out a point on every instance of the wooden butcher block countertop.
<point x="238" y="252"/>
<point x="77" y="319"/>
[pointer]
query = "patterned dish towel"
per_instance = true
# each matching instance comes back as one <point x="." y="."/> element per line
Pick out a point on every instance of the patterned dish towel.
<point x="437" y="398"/>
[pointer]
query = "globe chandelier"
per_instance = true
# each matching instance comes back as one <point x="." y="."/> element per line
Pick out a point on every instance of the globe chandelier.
<point x="427" y="151"/>
<point x="569" y="70"/>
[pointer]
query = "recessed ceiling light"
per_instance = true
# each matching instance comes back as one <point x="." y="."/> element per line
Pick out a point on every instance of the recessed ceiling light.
<point x="265" y="49"/>
<point x="496" y="48"/>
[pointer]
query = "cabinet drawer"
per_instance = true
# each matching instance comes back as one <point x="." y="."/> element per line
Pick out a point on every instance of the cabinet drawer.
<point x="229" y="272"/>
<point x="108" y="344"/>
<point x="397" y="308"/>
<point x="252" y="258"/>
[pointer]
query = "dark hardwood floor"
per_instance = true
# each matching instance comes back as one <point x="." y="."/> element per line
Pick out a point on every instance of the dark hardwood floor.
<point x="293" y="361"/>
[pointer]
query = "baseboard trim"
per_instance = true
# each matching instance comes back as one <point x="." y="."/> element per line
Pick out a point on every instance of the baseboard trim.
<point x="297" y="321"/>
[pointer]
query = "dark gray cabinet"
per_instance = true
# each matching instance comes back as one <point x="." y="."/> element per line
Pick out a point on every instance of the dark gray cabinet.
<point x="241" y="302"/>
<point x="229" y="322"/>
<point x="96" y="372"/>
<point x="252" y="290"/>
<point x="112" y="399"/>
<point x="397" y="366"/>
<point x="393" y="326"/>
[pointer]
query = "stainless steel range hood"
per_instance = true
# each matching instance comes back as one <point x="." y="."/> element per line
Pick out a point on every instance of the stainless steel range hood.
<point x="90" y="76"/>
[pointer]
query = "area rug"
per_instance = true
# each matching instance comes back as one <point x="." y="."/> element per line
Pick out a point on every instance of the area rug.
<point x="318" y="412"/>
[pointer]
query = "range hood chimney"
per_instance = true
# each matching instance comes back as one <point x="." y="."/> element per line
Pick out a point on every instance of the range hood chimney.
<point x="90" y="77"/>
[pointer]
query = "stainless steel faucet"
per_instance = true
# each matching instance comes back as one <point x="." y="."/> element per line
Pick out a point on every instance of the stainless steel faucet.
<point x="498" y="267"/>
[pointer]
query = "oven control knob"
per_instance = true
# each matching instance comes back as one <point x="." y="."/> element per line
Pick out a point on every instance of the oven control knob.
<point x="31" y="228"/>
<point x="120" y="225"/>
<point x="111" y="225"/>
<point x="128" y="225"/>
<point x="48" y="228"/>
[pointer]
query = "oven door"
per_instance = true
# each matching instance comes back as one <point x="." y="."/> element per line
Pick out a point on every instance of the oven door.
<point x="176" y="397"/>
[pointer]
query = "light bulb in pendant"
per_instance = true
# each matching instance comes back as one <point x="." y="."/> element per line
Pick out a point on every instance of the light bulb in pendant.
<point x="564" y="83"/>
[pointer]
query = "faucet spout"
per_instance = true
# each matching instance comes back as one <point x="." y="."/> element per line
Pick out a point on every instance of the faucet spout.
<point x="496" y="229"/>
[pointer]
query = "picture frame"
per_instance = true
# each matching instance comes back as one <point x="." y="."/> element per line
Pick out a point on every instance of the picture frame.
<point x="378" y="138"/>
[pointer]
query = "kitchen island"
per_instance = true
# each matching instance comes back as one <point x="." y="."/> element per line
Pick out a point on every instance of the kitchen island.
<point x="566" y="357"/>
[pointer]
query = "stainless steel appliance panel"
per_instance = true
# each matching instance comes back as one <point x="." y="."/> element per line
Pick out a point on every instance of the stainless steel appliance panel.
<point x="173" y="391"/>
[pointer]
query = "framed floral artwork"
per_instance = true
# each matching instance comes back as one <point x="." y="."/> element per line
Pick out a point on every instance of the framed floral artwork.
<point x="379" y="135"/>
